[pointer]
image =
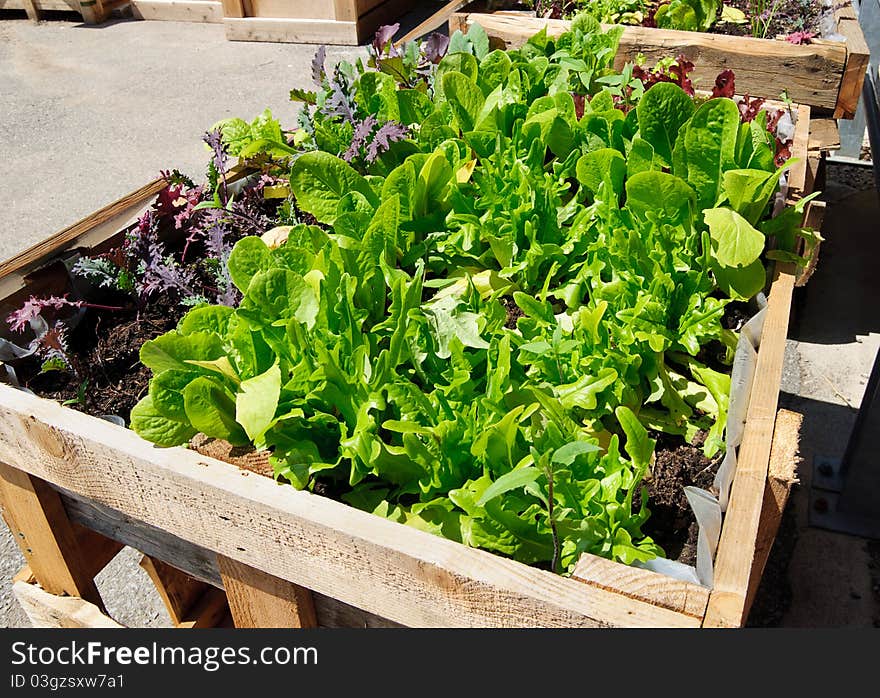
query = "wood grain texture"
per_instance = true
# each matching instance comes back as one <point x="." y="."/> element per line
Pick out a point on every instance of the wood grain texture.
<point x="824" y="135"/>
<point x="31" y="9"/>
<point x="657" y="589"/>
<point x="37" y="520"/>
<point x="291" y="31"/>
<point x="811" y="74"/>
<point x="45" y="610"/>
<point x="178" y="591"/>
<point x="782" y="475"/>
<point x="857" y="59"/>
<point x="385" y="568"/>
<point x="206" y="11"/>
<point x="345" y="10"/>
<point x="197" y="562"/>
<point x="797" y="175"/>
<point x="728" y="602"/>
<point x="294" y="9"/>
<point x="259" y="600"/>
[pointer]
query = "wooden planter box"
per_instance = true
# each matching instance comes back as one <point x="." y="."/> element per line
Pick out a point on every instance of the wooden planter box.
<point x="824" y="75"/>
<point x="92" y="11"/>
<point x="226" y="545"/>
<point x="346" y="22"/>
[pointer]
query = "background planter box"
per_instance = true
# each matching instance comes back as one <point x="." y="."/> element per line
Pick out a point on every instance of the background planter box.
<point x="92" y="11"/>
<point x="824" y="75"/>
<point x="347" y="22"/>
<point x="225" y="545"/>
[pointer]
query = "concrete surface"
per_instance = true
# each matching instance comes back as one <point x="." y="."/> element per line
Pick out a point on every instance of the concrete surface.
<point x="88" y="114"/>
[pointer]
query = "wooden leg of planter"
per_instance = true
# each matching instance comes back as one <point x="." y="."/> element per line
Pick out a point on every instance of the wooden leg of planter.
<point x="65" y="555"/>
<point x="782" y="475"/>
<point x="33" y="12"/>
<point x="259" y="600"/>
<point x="50" y="543"/>
<point x="190" y="603"/>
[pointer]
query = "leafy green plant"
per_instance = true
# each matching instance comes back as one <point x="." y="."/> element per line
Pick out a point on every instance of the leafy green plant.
<point x="482" y="323"/>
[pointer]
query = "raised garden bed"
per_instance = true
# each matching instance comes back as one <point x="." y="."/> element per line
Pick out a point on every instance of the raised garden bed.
<point x="824" y="74"/>
<point x="72" y="483"/>
<point x="346" y="22"/>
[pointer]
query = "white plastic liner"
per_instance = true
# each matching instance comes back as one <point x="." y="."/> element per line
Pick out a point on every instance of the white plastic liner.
<point x="708" y="514"/>
<point x="707" y="507"/>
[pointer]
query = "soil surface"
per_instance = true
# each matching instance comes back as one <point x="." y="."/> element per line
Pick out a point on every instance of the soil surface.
<point x="788" y="17"/>
<point x="104" y="349"/>
<point x="672" y="524"/>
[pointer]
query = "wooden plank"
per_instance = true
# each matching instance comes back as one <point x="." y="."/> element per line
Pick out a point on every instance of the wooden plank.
<point x="292" y="9"/>
<point x="178" y="591"/>
<point x="233" y="8"/>
<point x="408" y="576"/>
<point x="292" y="31"/>
<point x="31" y="9"/>
<point x="195" y="561"/>
<point x="857" y="60"/>
<point x="824" y="135"/>
<point x="259" y="600"/>
<point x="657" y="589"/>
<point x="45" y="610"/>
<point x="207" y="11"/>
<point x="797" y="175"/>
<point x="345" y="10"/>
<point x="782" y="475"/>
<point x="36" y="517"/>
<point x="810" y="74"/>
<point x="435" y="21"/>
<point x="736" y="549"/>
<point x="95" y="227"/>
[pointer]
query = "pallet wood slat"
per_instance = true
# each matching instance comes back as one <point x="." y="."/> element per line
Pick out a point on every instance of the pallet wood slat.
<point x="179" y="592"/>
<point x="208" y="11"/>
<point x="782" y="476"/>
<point x="195" y="561"/>
<point x="826" y="75"/>
<point x="258" y="600"/>
<point x="341" y="22"/>
<point x="683" y="597"/>
<point x="45" y="610"/>
<point x="36" y="517"/>
<point x="736" y="549"/>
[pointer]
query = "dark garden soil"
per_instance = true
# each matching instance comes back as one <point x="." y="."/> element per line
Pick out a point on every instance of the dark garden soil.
<point x="104" y="350"/>
<point x="672" y="524"/>
<point x="789" y="16"/>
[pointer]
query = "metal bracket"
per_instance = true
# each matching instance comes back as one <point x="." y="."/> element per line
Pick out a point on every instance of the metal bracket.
<point x="825" y="493"/>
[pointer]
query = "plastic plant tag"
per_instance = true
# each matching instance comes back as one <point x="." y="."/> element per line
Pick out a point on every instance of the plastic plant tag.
<point x="743" y="374"/>
<point x="708" y="514"/>
<point x="724" y="477"/>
